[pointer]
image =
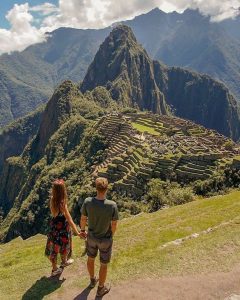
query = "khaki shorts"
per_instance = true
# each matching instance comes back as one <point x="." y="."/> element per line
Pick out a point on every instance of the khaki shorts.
<point x="104" y="246"/>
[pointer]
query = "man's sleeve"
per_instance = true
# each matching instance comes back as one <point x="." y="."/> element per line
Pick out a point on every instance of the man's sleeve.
<point x="115" y="215"/>
<point x="84" y="209"/>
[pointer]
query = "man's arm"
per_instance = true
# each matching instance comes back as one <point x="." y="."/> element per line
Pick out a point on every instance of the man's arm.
<point x="115" y="218"/>
<point x="114" y="227"/>
<point x="83" y="222"/>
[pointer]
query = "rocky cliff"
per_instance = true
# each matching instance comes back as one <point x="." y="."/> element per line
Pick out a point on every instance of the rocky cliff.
<point x="199" y="98"/>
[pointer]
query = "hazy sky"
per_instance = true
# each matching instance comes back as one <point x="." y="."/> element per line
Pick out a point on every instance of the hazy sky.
<point x="23" y="23"/>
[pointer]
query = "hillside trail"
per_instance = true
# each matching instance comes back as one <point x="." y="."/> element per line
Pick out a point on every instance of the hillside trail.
<point x="220" y="285"/>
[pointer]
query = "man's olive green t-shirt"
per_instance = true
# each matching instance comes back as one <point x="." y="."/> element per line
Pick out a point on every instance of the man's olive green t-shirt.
<point x="100" y="214"/>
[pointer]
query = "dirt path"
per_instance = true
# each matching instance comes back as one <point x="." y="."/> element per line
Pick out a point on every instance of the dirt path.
<point x="195" y="287"/>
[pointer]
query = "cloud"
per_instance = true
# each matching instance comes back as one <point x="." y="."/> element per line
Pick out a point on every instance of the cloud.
<point x="22" y="33"/>
<point x="79" y="14"/>
<point x="218" y="10"/>
<point x="45" y="9"/>
<point x="26" y="30"/>
<point x="101" y="13"/>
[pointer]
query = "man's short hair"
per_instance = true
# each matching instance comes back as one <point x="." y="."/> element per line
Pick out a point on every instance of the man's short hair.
<point x="101" y="184"/>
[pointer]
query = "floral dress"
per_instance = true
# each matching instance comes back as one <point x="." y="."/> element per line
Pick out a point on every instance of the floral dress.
<point x="59" y="238"/>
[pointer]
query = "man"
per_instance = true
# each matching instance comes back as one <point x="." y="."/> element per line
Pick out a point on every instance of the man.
<point x="102" y="216"/>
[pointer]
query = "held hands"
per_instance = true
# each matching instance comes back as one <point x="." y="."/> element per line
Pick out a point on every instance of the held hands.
<point x="83" y="235"/>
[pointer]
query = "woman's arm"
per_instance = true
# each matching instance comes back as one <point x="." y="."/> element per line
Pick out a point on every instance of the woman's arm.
<point x="70" y="220"/>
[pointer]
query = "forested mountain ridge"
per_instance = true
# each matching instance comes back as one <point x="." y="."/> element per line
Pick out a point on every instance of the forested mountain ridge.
<point x="28" y="78"/>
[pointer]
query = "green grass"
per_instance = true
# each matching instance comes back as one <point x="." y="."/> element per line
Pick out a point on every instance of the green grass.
<point x="137" y="249"/>
<point x="144" y="128"/>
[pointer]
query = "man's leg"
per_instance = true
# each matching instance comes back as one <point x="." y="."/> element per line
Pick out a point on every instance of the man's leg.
<point x="90" y="266"/>
<point x="92" y="251"/>
<point x="105" y="249"/>
<point x="102" y="274"/>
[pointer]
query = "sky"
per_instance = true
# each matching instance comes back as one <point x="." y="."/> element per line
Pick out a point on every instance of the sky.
<point x="24" y="22"/>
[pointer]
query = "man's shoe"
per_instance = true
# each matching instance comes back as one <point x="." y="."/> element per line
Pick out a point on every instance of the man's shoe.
<point x="93" y="282"/>
<point x="101" y="291"/>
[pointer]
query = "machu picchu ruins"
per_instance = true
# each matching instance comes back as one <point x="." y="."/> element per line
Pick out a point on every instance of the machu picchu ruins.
<point x="143" y="145"/>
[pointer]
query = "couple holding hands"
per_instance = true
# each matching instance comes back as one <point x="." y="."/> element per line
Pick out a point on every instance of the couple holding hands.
<point x="100" y="214"/>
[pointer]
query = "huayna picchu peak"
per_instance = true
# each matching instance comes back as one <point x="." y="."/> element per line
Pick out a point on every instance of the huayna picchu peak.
<point x="125" y="69"/>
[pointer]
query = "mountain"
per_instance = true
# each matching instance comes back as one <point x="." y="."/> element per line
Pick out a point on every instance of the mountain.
<point x="28" y="78"/>
<point x="190" y="40"/>
<point x="87" y="133"/>
<point x="133" y="79"/>
<point x="125" y="68"/>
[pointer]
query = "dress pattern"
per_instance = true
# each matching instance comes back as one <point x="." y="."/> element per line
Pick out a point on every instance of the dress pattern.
<point x="59" y="238"/>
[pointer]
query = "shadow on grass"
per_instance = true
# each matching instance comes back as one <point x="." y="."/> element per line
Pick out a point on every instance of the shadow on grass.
<point x="42" y="287"/>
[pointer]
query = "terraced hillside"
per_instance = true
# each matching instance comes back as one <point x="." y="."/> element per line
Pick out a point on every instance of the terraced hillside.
<point x="142" y="146"/>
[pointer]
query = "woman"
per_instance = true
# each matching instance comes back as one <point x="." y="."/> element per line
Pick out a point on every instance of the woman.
<point x="60" y="236"/>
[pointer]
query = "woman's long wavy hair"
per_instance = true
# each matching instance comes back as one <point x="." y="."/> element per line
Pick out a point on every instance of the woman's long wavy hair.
<point x="58" y="197"/>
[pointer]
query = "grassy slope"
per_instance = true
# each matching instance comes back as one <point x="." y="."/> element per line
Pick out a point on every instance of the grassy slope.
<point x="138" y="249"/>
